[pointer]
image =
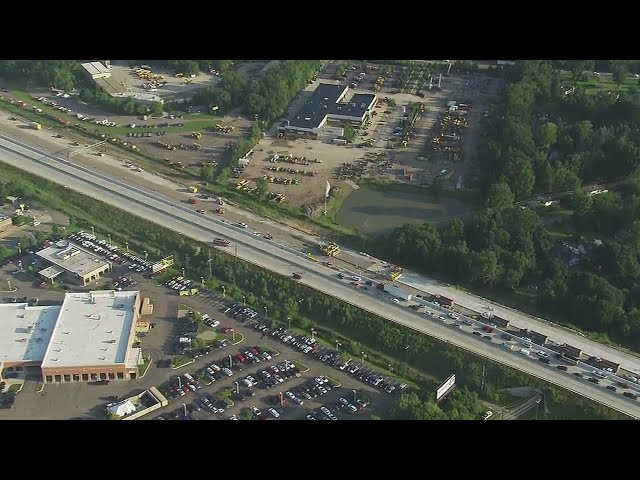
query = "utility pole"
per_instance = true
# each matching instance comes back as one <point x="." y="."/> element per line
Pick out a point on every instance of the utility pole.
<point x="236" y="250"/>
<point x="93" y="231"/>
<point x="289" y="320"/>
<point x="265" y="313"/>
<point x="482" y="380"/>
<point x="209" y="262"/>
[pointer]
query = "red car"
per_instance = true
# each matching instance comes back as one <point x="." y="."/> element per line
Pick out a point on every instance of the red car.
<point x="227" y="330"/>
<point x="254" y="351"/>
<point x="241" y="358"/>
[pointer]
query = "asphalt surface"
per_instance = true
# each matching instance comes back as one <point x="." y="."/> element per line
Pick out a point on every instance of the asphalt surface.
<point x="284" y="260"/>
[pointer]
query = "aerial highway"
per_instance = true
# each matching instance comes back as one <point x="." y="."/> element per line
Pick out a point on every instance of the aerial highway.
<point x="285" y="260"/>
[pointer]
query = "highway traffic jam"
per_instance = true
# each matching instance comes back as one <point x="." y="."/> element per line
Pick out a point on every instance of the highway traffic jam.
<point x="278" y="258"/>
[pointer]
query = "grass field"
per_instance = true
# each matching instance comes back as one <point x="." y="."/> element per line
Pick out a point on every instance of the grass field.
<point x="594" y="84"/>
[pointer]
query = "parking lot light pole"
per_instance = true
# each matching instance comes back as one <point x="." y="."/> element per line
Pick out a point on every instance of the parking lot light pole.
<point x="185" y="409"/>
<point x="355" y="396"/>
<point x="265" y="312"/>
<point x="364" y="355"/>
<point x="313" y="333"/>
<point x="19" y="249"/>
<point x="179" y="383"/>
<point x="126" y="244"/>
<point x="182" y="271"/>
<point x="202" y="282"/>
<point x="224" y="291"/>
<point x="244" y="301"/>
<point x="230" y="361"/>
<point x="237" y="387"/>
<point x="109" y="238"/>
<point x="338" y="345"/>
<point x="93" y="231"/>
<point x="233" y="335"/>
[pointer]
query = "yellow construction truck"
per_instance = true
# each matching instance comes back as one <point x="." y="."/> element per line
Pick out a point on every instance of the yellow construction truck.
<point x="330" y="249"/>
<point x="36" y="125"/>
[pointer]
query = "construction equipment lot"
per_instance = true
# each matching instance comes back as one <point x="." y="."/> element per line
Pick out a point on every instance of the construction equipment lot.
<point x="396" y="144"/>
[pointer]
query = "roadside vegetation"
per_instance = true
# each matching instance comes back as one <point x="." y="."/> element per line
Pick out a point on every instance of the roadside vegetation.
<point x="549" y="141"/>
<point x="418" y="358"/>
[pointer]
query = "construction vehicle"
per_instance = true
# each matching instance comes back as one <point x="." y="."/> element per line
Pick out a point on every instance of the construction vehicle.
<point x="36" y="125"/>
<point x="193" y="189"/>
<point x="196" y="135"/>
<point x="330" y="249"/>
<point x="220" y="211"/>
<point x="192" y="201"/>
<point x="201" y="211"/>
<point x="395" y="274"/>
<point x="221" y="242"/>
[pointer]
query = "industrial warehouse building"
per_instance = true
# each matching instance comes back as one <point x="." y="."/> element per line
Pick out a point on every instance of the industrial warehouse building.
<point x="89" y="337"/>
<point x="80" y="266"/>
<point x="326" y="105"/>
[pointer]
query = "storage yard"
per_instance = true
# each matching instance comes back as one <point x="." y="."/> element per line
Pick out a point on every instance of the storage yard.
<point x="415" y="135"/>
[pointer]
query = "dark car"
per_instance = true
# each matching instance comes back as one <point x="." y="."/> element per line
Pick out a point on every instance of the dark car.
<point x="630" y="395"/>
<point x="593" y="380"/>
<point x="562" y="367"/>
<point x="578" y="374"/>
<point x="611" y="387"/>
<point x="544" y="360"/>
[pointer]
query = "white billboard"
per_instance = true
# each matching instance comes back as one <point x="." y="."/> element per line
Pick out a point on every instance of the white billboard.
<point x="446" y="387"/>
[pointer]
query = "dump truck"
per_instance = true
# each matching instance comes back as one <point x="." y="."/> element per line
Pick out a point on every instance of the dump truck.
<point x="193" y="189"/>
<point x="395" y="291"/>
<point x="36" y="125"/>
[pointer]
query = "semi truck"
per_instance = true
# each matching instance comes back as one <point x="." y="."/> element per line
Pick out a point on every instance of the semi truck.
<point x="395" y="291"/>
<point x="221" y="242"/>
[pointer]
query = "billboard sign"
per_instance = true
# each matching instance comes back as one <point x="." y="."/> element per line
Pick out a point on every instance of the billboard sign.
<point x="446" y="387"/>
<point x="162" y="265"/>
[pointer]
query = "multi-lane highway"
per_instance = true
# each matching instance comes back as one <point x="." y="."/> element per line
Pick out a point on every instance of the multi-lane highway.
<point x="284" y="260"/>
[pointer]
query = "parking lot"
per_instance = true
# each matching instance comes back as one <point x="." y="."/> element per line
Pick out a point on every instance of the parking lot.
<point x="294" y="366"/>
<point x="263" y="378"/>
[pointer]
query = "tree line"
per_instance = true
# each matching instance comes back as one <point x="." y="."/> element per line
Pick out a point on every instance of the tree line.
<point x="334" y="320"/>
<point x="542" y="141"/>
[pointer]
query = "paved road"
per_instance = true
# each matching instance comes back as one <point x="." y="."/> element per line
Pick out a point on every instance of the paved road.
<point x="282" y="260"/>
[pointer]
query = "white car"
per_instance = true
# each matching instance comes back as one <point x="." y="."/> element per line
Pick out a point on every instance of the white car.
<point x="542" y="354"/>
<point x="214" y="323"/>
<point x="290" y="395"/>
<point x="344" y="401"/>
<point x="227" y="372"/>
<point x="395" y="300"/>
<point x="488" y="414"/>
<point x="243" y="225"/>
<point x="356" y="278"/>
<point x="274" y="413"/>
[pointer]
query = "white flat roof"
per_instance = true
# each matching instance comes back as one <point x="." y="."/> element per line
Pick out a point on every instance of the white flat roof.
<point x="93" y="329"/>
<point x="72" y="258"/>
<point x="51" y="272"/>
<point x="25" y="331"/>
<point x="95" y="68"/>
